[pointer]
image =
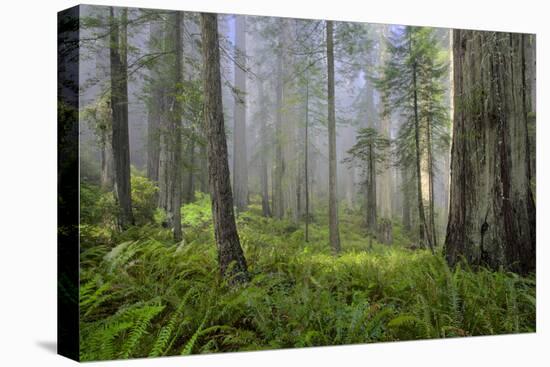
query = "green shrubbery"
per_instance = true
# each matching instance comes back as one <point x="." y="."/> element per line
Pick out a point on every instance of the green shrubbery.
<point x="144" y="199"/>
<point x="144" y="296"/>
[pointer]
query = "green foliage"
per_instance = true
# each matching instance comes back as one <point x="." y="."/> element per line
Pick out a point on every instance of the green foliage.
<point x="147" y="297"/>
<point x="96" y="206"/>
<point x="370" y="148"/>
<point x="144" y="199"/>
<point x="197" y="213"/>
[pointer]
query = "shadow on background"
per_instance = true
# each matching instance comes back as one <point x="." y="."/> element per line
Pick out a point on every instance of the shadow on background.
<point x="50" y="346"/>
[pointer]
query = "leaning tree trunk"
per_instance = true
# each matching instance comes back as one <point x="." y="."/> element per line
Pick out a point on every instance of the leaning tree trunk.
<point x="119" y="108"/>
<point x="334" y="233"/>
<point x="492" y="210"/>
<point x="230" y="255"/>
<point x="240" y="164"/>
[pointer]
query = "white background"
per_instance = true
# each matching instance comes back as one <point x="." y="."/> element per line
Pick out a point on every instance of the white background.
<point x="28" y="182"/>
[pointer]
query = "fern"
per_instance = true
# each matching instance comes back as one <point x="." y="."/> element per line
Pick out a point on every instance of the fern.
<point x="142" y="317"/>
<point x="166" y="332"/>
<point x="188" y="349"/>
<point x="142" y="296"/>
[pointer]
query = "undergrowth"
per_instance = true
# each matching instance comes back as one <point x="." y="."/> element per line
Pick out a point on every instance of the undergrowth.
<point x="141" y="295"/>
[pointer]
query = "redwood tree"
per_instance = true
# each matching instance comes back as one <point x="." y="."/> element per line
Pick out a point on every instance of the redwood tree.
<point x="119" y="108"/>
<point x="492" y="210"/>
<point x="230" y="254"/>
<point x="334" y="233"/>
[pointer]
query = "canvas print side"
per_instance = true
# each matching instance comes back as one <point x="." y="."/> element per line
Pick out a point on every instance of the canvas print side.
<point x="68" y="83"/>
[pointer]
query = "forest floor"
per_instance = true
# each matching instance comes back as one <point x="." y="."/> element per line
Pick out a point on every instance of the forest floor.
<point x="142" y="295"/>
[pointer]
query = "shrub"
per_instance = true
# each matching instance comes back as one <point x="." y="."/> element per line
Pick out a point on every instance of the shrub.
<point x="144" y="199"/>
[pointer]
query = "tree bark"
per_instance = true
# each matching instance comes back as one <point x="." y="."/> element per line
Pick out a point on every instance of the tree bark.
<point x="371" y="215"/>
<point x="406" y="200"/>
<point x="266" y="210"/>
<point x="492" y="210"/>
<point x="422" y="230"/>
<point x="386" y="179"/>
<point x="240" y="162"/>
<point x="431" y="172"/>
<point x="119" y="108"/>
<point x="154" y="114"/>
<point x="334" y="233"/>
<point x="278" y="202"/>
<point x="306" y="157"/>
<point x="107" y="170"/>
<point x="230" y="255"/>
<point x="189" y="184"/>
<point x="170" y="171"/>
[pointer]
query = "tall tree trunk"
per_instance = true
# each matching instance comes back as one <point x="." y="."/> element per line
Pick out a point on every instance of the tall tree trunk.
<point x="107" y="170"/>
<point x="530" y="61"/>
<point x="278" y="202"/>
<point x="203" y="166"/>
<point x="154" y="113"/>
<point x="334" y="232"/>
<point x="119" y="108"/>
<point x="240" y="164"/>
<point x="386" y="180"/>
<point x="492" y="210"/>
<point x="422" y="230"/>
<point x="230" y="254"/>
<point x="266" y="210"/>
<point x="189" y="186"/>
<point x="153" y="144"/>
<point x="176" y="117"/>
<point x="431" y="171"/>
<point x="371" y="217"/>
<point x="306" y="153"/>
<point x="170" y="171"/>
<point x="406" y="200"/>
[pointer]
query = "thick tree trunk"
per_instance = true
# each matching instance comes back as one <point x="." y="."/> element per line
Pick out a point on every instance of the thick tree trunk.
<point x="529" y="42"/>
<point x="119" y="108"/>
<point x="492" y="211"/>
<point x="334" y="233"/>
<point x="240" y="163"/>
<point x="230" y="255"/>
